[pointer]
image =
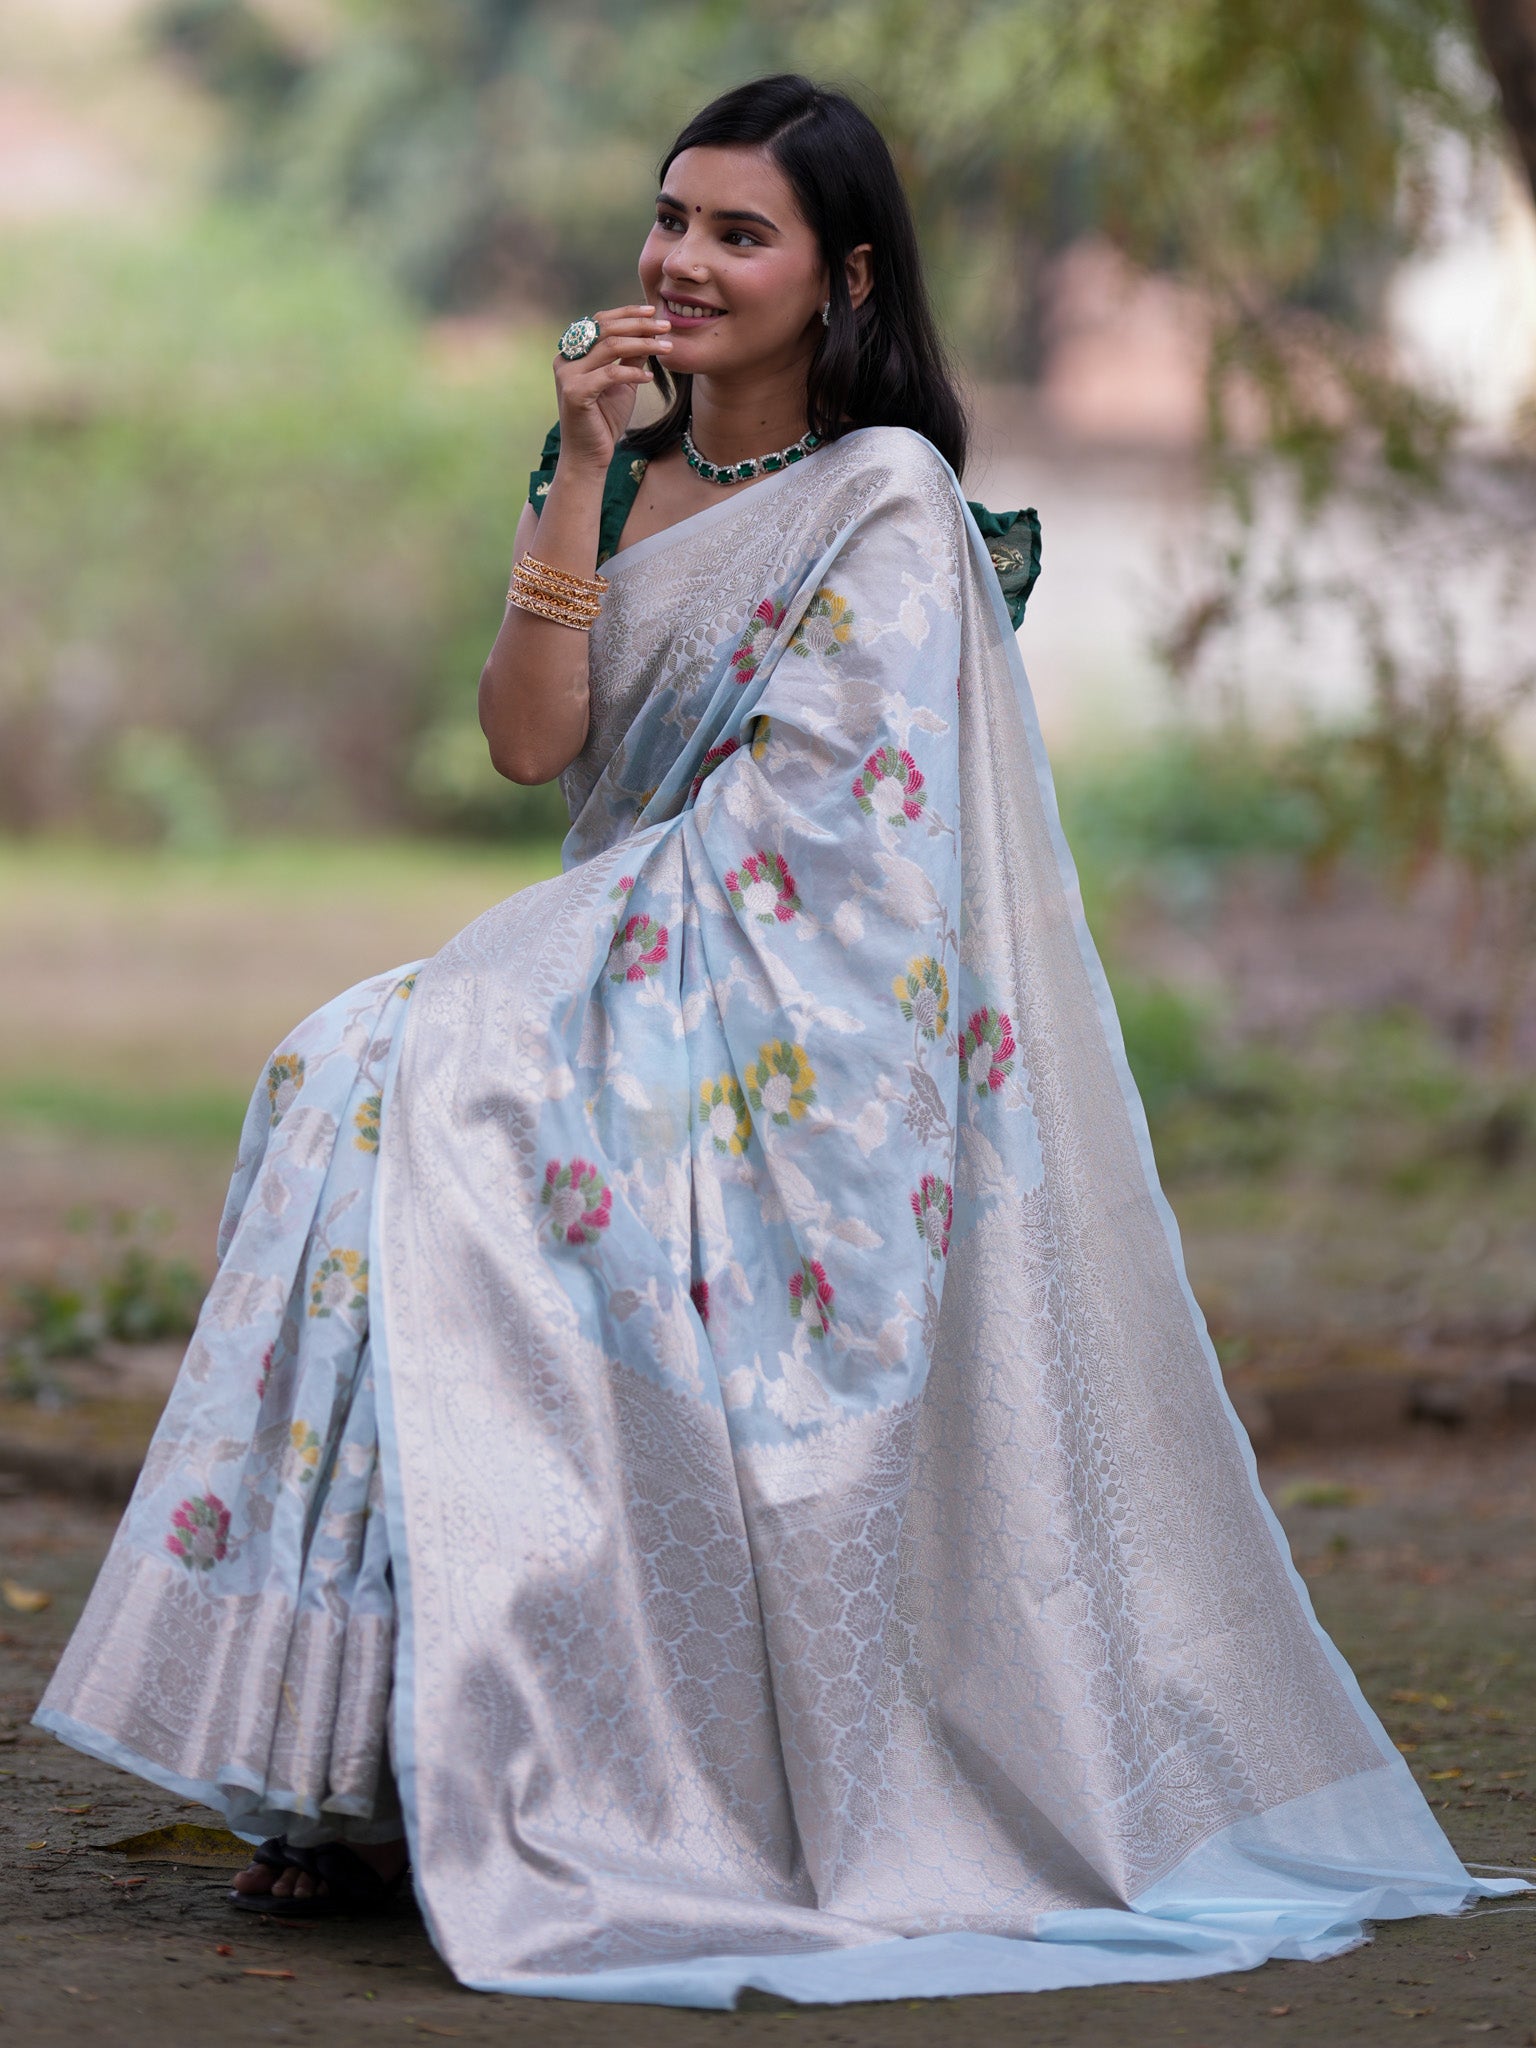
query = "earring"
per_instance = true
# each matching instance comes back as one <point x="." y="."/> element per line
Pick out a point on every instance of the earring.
<point x="826" y="314"/>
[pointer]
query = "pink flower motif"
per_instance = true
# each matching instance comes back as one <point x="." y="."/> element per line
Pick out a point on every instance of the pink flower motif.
<point x="711" y="762"/>
<point x="639" y="947"/>
<point x="933" y="1210"/>
<point x="890" y="786"/>
<point x="763" y="887"/>
<point x="199" y="1535"/>
<point x="266" y="1371"/>
<point x="621" y="887"/>
<point x="810" y="1296"/>
<point x="986" y="1050"/>
<point x="761" y="627"/>
<point x="579" y="1200"/>
<point x="699" y="1293"/>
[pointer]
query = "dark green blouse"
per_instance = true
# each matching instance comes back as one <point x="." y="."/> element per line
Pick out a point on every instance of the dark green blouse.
<point x="1012" y="538"/>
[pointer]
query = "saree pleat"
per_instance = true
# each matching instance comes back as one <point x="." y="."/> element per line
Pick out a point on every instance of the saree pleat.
<point x="732" y="1386"/>
<point x="238" y="1646"/>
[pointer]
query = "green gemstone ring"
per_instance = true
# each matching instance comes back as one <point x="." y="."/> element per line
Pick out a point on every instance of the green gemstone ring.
<point x="580" y="338"/>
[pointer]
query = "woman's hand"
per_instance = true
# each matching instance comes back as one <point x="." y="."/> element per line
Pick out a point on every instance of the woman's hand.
<point x="597" y="392"/>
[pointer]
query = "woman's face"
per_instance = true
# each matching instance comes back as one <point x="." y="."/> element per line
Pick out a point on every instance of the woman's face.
<point x="733" y="265"/>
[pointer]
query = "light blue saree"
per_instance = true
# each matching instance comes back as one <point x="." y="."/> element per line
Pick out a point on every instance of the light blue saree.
<point x="709" y="1369"/>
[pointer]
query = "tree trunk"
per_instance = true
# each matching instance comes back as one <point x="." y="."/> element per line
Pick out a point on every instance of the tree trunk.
<point x="1507" y="31"/>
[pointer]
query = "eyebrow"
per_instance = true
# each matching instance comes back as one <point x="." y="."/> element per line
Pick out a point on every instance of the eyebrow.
<point x="720" y="212"/>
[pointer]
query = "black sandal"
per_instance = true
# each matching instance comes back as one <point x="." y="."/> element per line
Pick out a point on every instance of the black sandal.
<point x="352" y="1886"/>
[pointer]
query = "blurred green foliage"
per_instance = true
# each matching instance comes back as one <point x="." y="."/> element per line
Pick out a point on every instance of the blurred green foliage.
<point x="255" y="533"/>
<point x="255" y="510"/>
<point x="1279" y="159"/>
<point x="1377" y="1102"/>
<point x="118" y="1289"/>
<point x="1378" y="1095"/>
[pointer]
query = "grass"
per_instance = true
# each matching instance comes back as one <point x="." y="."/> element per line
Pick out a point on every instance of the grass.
<point x="146" y="990"/>
<point x="1360" y="1175"/>
<point x="82" y="873"/>
<point x="173" y="1117"/>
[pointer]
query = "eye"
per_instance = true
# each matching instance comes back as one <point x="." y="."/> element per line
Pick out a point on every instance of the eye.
<point x="745" y="235"/>
<point x="667" y="220"/>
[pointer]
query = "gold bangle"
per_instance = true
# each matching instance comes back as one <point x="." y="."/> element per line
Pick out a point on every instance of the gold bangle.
<point x="573" y="601"/>
<point x="591" y="588"/>
<point x="548" y="608"/>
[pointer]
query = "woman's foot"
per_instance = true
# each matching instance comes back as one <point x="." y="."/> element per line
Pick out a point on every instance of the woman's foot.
<point x="270" y="1874"/>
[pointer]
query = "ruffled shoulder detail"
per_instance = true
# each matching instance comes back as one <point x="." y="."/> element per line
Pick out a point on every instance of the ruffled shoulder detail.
<point x="1013" y="542"/>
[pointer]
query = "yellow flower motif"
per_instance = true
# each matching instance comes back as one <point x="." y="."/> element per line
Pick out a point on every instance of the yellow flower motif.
<point x="781" y="1083"/>
<point x="367" y="1121"/>
<point x="340" y="1285"/>
<point x="404" y="988"/>
<point x="285" y="1077"/>
<point x="760" y="730"/>
<point x="922" y="990"/>
<point x="827" y="626"/>
<point x="724" y="1114"/>
<point x="306" y="1443"/>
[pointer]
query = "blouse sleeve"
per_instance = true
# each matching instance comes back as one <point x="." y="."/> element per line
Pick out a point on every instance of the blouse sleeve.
<point x="544" y="475"/>
<point x="624" y="475"/>
<point x="1013" y="542"/>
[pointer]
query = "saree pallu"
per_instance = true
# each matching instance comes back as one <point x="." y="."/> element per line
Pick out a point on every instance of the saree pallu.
<point x="709" y="1355"/>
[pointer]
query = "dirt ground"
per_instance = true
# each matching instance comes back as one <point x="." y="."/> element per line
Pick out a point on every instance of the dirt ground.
<point x="1422" y="1563"/>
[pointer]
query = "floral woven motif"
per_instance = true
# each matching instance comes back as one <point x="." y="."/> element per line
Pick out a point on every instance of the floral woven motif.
<point x="922" y="991"/>
<point x="365" y="1121"/>
<point x="781" y="1083"/>
<point x="199" y="1536"/>
<point x="761" y="627"/>
<point x="986" y="1050"/>
<point x="340" y="1284"/>
<point x="933" y="1210"/>
<point x="810" y="1298"/>
<point x="763" y="887"/>
<point x="712" y="759"/>
<point x="890" y="787"/>
<point x="285" y="1077"/>
<point x="724" y="1114"/>
<point x="578" y="1200"/>
<point x="825" y="627"/>
<point x="638" y="950"/>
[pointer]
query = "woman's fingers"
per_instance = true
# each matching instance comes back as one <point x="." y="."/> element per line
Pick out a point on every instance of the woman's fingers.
<point x="628" y="319"/>
<point x="633" y="323"/>
<point x="613" y="348"/>
<point x="617" y="361"/>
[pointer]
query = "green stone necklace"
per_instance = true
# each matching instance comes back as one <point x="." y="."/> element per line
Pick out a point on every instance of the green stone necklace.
<point x="755" y="465"/>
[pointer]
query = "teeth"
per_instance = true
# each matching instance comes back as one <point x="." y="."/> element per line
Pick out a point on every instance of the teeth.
<point x="688" y="312"/>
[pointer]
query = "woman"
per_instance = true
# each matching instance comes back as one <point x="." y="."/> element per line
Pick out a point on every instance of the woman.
<point x="721" y="1383"/>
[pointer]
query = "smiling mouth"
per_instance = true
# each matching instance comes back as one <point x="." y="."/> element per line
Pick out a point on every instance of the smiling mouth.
<point x="689" y="309"/>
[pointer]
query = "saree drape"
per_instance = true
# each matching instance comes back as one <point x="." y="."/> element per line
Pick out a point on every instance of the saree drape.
<point x="710" y="1351"/>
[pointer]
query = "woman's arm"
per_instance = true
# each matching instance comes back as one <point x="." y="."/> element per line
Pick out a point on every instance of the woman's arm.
<point x="534" y="697"/>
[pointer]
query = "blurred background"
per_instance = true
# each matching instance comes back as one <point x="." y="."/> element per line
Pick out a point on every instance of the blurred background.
<point x="1246" y="302"/>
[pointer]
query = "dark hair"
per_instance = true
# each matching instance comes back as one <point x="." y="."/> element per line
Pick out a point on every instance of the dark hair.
<point x="882" y="364"/>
